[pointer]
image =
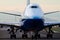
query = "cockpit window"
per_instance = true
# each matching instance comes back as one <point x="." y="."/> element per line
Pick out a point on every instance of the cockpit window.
<point x="34" y="7"/>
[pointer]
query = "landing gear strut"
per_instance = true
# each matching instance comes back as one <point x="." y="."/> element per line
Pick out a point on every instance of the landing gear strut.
<point x="12" y="33"/>
<point x="24" y="35"/>
<point x="36" y="35"/>
<point x="50" y="34"/>
<point x="13" y="36"/>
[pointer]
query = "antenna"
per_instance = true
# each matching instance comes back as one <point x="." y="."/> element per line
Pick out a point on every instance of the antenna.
<point x="28" y="2"/>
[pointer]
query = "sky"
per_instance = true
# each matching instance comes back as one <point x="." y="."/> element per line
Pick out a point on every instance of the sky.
<point x="19" y="5"/>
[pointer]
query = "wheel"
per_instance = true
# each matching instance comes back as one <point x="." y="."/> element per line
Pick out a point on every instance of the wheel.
<point x="32" y="37"/>
<point x="49" y="36"/>
<point x="36" y="36"/>
<point x="24" y="36"/>
<point x="13" y="36"/>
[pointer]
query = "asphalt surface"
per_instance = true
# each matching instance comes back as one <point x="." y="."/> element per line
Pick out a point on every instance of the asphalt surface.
<point x="5" y="36"/>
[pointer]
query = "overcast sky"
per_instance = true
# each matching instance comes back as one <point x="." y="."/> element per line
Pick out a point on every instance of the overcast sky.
<point x="19" y="5"/>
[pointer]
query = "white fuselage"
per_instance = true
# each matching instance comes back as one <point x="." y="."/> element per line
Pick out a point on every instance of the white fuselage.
<point x="33" y="15"/>
<point x="33" y="11"/>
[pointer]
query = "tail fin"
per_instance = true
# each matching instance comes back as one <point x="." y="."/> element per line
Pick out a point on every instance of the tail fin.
<point x="28" y="2"/>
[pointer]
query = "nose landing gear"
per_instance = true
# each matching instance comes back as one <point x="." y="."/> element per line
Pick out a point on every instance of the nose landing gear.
<point x="36" y="36"/>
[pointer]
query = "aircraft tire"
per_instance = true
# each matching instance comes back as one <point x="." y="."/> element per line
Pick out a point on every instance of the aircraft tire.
<point x="49" y="36"/>
<point x="24" y="36"/>
<point x="13" y="36"/>
<point x="36" y="36"/>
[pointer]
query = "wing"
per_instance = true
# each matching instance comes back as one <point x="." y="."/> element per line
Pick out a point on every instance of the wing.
<point x="9" y="19"/>
<point x="51" y="12"/>
<point x="9" y="14"/>
<point x="52" y="18"/>
<point x="8" y="25"/>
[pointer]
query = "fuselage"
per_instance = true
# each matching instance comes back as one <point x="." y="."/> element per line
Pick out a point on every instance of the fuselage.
<point x="33" y="11"/>
<point x="33" y="18"/>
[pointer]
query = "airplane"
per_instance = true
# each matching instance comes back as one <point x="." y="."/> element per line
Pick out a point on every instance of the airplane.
<point x="33" y="20"/>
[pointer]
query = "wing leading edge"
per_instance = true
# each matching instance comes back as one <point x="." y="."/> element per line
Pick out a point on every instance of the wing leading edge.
<point x="52" y="19"/>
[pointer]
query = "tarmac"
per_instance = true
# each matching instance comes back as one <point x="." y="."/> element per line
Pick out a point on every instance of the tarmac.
<point x="5" y="36"/>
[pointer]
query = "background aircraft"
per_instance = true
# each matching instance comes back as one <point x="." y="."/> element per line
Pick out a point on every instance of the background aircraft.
<point x="33" y="20"/>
